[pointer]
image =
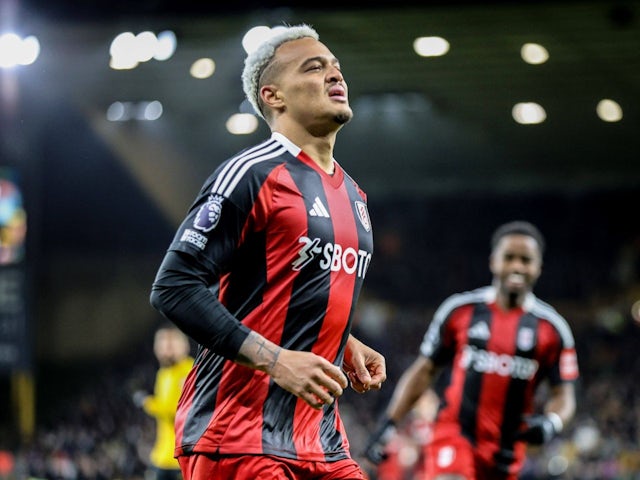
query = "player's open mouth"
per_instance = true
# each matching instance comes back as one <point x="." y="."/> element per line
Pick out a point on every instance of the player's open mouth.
<point x="338" y="93"/>
<point x="516" y="279"/>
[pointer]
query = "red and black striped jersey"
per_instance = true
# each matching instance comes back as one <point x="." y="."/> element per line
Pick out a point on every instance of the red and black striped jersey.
<point x="494" y="360"/>
<point x="291" y="246"/>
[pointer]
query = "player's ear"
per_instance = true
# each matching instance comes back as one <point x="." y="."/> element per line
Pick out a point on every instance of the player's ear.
<point x="492" y="262"/>
<point x="271" y="96"/>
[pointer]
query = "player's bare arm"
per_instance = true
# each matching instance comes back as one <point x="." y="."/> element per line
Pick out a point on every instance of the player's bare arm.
<point x="412" y="384"/>
<point x="559" y="410"/>
<point x="562" y="402"/>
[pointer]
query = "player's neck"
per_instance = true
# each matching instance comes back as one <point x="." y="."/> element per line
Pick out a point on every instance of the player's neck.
<point x="322" y="156"/>
<point x="318" y="147"/>
<point x="509" y="301"/>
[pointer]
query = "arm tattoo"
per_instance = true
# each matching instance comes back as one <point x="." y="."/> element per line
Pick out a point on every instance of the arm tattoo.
<point x="257" y="352"/>
<point x="267" y="354"/>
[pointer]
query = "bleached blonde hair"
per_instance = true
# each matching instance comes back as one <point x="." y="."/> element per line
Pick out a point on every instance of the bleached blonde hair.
<point x="257" y="61"/>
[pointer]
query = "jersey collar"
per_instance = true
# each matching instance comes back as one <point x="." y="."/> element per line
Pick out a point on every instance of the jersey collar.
<point x="335" y="180"/>
<point x="491" y="294"/>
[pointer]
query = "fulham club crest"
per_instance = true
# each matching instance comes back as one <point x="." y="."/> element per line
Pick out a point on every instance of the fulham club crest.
<point x="525" y="339"/>
<point x="209" y="214"/>
<point x="363" y="215"/>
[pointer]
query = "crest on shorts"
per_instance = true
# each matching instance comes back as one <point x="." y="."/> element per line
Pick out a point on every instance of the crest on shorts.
<point x="446" y="456"/>
<point x="209" y="214"/>
<point x="363" y="215"/>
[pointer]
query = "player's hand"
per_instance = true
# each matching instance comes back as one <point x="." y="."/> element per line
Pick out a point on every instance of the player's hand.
<point x="375" y="449"/>
<point x="308" y="376"/>
<point x="139" y="397"/>
<point x="365" y="367"/>
<point x="540" y="428"/>
<point x="311" y="377"/>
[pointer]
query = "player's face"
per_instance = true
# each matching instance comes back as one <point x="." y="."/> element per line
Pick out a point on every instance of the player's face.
<point x="516" y="264"/>
<point x="311" y="84"/>
<point x="169" y="347"/>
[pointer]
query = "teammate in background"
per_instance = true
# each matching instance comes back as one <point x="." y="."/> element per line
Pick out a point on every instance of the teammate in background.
<point x="172" y="350"/>
<point x="405" y="450"/>
<point x="264" y="274"/>
<point x="494" y="346"/>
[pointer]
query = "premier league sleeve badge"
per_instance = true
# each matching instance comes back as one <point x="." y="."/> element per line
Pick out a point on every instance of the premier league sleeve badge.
<point x="208" y="215"/>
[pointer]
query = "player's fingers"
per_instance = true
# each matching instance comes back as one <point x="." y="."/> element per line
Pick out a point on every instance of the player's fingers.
<point x="317" y="397"/>
<point x="312" y="400"/>
<point x="378" y="376"/>
<point x="356" y="384"/>
<point x="337" y="374"/>
<point x="377" y="381"/>
<point x="332" y="387"/>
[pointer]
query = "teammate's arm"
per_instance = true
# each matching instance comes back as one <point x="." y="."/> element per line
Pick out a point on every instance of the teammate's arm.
<point x="558" y="411"/>
<point x="410" y="387"/>
<point x="562" y="402"/>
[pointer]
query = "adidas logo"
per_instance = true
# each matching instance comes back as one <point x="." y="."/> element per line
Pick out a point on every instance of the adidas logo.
<point x="479" y="331"/>
<point x="318" y="209"/>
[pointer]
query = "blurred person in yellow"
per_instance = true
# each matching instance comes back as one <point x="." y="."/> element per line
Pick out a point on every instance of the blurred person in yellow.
<point x="173" y="352"/>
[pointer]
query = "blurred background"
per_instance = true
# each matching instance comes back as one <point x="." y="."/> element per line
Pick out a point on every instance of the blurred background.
<point x="467" y="115"/>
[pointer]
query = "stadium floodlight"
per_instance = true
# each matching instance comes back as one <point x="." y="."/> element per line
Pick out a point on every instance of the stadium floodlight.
<point x="242" y="123"/>
<point x="15" y="50"/>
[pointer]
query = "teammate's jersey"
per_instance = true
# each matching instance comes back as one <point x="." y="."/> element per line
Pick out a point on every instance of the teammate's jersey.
<point x="497" y="358"/>
<point x="291" y="245"/>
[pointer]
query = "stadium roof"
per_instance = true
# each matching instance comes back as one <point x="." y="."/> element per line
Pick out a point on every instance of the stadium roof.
<point x="421" y="125"/>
